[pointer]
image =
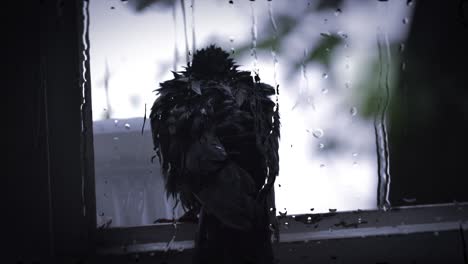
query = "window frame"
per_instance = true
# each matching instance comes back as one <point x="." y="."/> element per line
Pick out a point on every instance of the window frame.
<point x="154" y="238"/>
<point x="402" y="220"/>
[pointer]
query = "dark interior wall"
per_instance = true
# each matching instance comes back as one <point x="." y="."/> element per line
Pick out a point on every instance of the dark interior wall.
<point x="45" y="152"/>
<point x="27" y="211"/>
<point x="429" y="117"/>
<point x="62" y="65"/>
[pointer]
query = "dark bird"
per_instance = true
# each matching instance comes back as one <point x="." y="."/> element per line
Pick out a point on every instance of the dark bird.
<point x="215" y="131"/>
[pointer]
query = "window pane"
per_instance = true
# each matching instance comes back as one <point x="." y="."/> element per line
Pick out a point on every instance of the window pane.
<point x="336" y="66"/>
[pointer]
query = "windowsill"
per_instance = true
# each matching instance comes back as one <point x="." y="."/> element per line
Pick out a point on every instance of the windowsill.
<point x="340" y="225"/>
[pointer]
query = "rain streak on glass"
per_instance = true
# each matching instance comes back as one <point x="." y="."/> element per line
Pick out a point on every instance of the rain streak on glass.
<point x="380" y="120"/>
<point x="253" y="50"/>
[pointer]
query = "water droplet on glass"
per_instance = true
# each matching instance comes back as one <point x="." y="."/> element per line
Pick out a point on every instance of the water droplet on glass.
<point x="409" y="200"/>
<point x="286" y="224"/>
<point x="436" y="233"/>
<point x="402" y="47"/>
<point x="324" y="91"/>
<point x="337" y="12"/>
<point x="332" y="210"/>
<point x="403" y="66"/>
<point x="342" y="34"/>
<point x="116" y="122"/>
<point x="325" y="76"/>
<point x="346" y="66"/>
<point x="325" y="21"/>
<point x="355" y="154"/>
<point x="231" y="39"/>
<point x="279" y="185"/>
<point x="317" y="133"/>
<point x="127" y="125"/>
<point x="405" y="20"/>
<point x="272" y="209"/>
<point x="272" y="227"/>
<point x="124" y="1"/>
<point x="321" y="146"/>
<point x="180" y="249"/>
<point x="101" y="214"/>
<point x="386" y="207"/>
<point x="409" y="2"/>
<point x="231" y="2"/>
<point x="322" y="165"/>
<point x="353" y="111"/>
<point x="347" y="84"/>
<point x="359" y="220"/>
<point x="355" y="163"/>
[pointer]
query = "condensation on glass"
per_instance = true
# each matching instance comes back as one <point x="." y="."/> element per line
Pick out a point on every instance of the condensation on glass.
<point x="335" y="66"/>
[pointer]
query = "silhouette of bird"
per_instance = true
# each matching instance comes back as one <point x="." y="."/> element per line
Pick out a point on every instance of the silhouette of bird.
<point x="215" y="131"/>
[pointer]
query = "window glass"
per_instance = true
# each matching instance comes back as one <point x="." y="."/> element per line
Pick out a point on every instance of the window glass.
<point x="335" y="62"/>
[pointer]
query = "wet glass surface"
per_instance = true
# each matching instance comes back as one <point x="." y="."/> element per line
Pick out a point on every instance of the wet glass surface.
<point x="335" y="63"/>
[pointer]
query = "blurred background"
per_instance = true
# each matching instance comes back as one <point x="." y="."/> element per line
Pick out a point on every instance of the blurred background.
<point x="357" y="120"/>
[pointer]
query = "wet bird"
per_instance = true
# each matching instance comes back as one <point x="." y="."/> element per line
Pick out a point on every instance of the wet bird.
<point x="215" y="131"/>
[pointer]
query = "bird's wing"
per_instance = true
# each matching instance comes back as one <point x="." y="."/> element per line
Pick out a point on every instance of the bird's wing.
<point x="186" y="128"/>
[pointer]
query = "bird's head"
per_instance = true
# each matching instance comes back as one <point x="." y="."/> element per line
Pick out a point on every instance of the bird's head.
<point x="211" y="63"/>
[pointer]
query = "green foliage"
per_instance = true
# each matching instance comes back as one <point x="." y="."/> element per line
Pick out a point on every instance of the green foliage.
<point x="328" y="4"/>
<point x="286" y="25"/>
<point x="322" y="51"/>
<point x="142" y="5"/>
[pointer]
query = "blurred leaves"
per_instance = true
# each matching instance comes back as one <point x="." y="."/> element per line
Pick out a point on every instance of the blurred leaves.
<point x="143" y="5"/>
<point x="328" y="4"/>
<point x="286" y="24"/>
<point x="371" y="88"/>
<point x="369" y="92"/>
<point x="322" y="51"/>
